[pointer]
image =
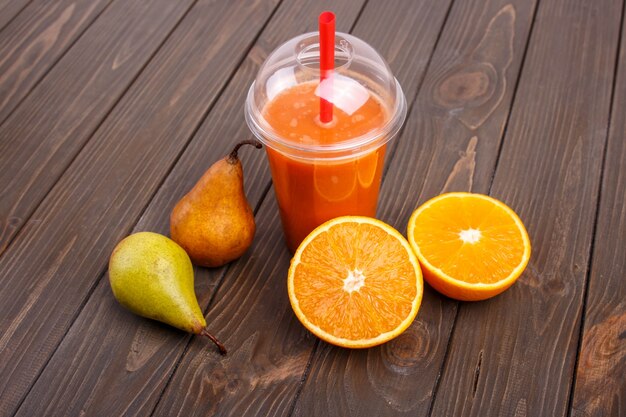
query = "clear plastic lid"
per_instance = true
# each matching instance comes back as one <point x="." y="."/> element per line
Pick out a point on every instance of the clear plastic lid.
<point x="360" y="74"/>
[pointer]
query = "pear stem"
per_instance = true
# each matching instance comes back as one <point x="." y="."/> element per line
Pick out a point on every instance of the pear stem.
<point x="232" y="158"/>
<point x="219" y="344"/>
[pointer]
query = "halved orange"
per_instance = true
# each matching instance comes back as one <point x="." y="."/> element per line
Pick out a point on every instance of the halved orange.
<point x="355" y="282"/>
<point x="470" y="246"/>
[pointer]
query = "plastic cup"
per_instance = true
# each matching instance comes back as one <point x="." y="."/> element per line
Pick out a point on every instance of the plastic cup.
<point x="322" y="171"/>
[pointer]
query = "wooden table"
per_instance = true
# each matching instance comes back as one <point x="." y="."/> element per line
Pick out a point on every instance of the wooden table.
<point x="110" y="110"/>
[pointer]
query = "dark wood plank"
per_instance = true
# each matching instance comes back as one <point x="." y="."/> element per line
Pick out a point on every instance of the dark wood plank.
<point x="9" y="9"/>
<point x="48" y="129"/>
<point x="136" y="357"/>
<point x="450" y="143"/>
<point x="33" y="41"/>
<point x="600" y="386"/>
<point x="54" y="263"/>
<point x="514" y="354"/>
<point x="269" y="349"/>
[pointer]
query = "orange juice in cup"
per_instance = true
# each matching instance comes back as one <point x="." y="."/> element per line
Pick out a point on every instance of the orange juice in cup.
<point x="324" y="170"/>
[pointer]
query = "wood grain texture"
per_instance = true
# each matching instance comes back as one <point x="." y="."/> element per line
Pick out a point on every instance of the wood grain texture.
<point x="600" y="387"/>
<point x="268" y="348"/>
<point x="62" y="251"/>
<point x="514" y="355"/>
<point x="136" y="357"/>
<point x="48" y="129"/>
<point x="450" y="143"/>
<point x="9" y="9"/>
<point x="33" y="41"/>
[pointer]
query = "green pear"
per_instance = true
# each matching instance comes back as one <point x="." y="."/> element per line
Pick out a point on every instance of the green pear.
<point x="152" y="276"/>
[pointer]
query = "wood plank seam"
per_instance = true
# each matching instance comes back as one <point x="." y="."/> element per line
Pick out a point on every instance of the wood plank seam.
<point x="431" y="405"/>
<point x="515" y="89"/>
<point x="594" y="238"/>
<point x="394" y="144"/>
<point x="303" y="379"/>
<point x="358" y="16"/>
<point x="493" y="173"/>
<point x="4" y="247"/>
<point x="600" y="387"/>
<point x="15" y="15"/>
<point x="54" y="62"/>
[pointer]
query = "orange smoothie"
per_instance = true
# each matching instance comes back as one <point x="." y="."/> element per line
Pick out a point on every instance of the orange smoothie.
<point x="311" y="191"/>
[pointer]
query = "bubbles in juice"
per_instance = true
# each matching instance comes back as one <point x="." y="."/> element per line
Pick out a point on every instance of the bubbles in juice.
<point x="294" y="115"/>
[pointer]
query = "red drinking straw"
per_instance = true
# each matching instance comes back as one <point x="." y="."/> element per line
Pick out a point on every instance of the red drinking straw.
<point x="327" y="60"/>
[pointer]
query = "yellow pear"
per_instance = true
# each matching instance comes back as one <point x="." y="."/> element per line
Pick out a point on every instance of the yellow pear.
<point x="214" y="222"/>
<point x="153" y="277"/>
